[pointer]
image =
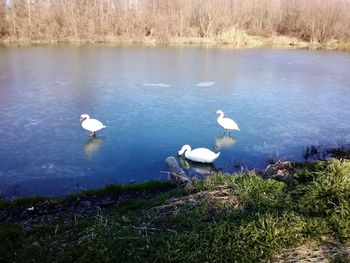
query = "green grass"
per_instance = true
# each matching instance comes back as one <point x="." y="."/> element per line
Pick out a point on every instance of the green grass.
<point x="153" y="185"/>
<point x="277" y="215"/>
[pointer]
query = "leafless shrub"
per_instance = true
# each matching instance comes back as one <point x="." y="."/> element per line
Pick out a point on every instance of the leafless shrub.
<point x="316" y="21"/>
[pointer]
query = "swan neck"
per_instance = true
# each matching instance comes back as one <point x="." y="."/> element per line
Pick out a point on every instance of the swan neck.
<point x="221" y="115"/>
<point x="185" y="149"/>
<point x="84" y="117"/>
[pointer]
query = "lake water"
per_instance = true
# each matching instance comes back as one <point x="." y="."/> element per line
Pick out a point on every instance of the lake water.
<point x="154" y="100"/>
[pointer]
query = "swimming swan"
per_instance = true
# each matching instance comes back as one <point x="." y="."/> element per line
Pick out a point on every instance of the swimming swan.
<point x="226" y="123"/>
<point x="91" y="125"/>
<point x="201" y="155"/>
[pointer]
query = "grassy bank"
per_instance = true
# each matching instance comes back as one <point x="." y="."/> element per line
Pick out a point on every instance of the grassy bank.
<point x="224" y="218"/>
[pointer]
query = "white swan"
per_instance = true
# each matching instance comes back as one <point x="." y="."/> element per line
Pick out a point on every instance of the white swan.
<point x="91" y="125"/>
<point x="201" y="155"/>
<point x="226" y="123"/>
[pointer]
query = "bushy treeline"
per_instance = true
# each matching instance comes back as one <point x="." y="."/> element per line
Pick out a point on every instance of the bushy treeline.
<point x="317" y="21"/>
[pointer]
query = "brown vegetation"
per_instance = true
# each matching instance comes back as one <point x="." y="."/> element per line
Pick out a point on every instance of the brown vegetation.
<point x="221" y="21"/>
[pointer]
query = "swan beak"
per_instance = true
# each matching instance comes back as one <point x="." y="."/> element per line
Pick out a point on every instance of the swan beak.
<point x="81" y="118"/>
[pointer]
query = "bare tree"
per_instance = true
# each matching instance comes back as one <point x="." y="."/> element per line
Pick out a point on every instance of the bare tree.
<point x="313" y="20"/>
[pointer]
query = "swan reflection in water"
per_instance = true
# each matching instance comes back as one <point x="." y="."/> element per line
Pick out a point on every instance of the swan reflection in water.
<point x="92" y="146"/>
<point x="225" y="141"/>
<point x="194" y="169"/>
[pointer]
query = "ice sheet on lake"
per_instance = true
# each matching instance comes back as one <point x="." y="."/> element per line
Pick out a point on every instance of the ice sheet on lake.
<point x="60" y="83"/>
<point x="46" y="170"/>
<point x="32" y="122"/>
<point x="156" y="85"/>
<point x="206" y="84"/>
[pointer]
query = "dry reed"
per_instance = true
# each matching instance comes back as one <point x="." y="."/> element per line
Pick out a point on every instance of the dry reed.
<point x="222" y="21"/>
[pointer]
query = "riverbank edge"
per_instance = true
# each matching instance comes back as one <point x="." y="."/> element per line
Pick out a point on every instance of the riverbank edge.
<point x="317" y="153"/>
<point x="246" y="196"/>
<point x="242" y="42"/>
<point x="149" y="187"/>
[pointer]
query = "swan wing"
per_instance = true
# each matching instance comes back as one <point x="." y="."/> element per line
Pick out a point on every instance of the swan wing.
<point x="230" y="124"/>
<point x="202" y="155"/>
<point x="92" y="125"/>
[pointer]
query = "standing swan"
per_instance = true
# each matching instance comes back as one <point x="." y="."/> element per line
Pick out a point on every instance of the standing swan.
<point x="226" y="123"/>
<point x="91" y="125"/>
<point x="201" y="155"/>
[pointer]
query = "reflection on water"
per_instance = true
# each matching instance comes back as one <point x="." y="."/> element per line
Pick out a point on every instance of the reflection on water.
<point x="194" y="169"/>
<point x="225" y="141"/>
<point x="92" y="146"/>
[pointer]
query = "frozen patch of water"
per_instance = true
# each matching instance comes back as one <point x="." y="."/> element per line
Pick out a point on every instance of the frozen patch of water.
<point x="282" y="100"/>
<point x="206" y="84"/>
<point x="156" y="85"/>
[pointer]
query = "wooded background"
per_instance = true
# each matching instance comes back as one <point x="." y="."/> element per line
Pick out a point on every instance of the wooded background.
<point x="317" y="21"/>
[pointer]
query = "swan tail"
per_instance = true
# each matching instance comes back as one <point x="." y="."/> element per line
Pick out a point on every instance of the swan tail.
<point x="217" y="155"/>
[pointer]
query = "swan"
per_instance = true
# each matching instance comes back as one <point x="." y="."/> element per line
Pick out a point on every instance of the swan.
<point x="91" y="125"/>
<point x="226" y="123"/>
<point x="201" y="155"/>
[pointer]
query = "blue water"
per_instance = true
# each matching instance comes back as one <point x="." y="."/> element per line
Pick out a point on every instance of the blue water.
<point x="154" y="100"/>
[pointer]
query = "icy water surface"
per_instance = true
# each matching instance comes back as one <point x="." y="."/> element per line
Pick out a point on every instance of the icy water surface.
<point x="153" y="101"/>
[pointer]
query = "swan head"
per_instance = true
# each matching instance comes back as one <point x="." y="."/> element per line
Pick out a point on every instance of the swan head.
<point x="183" y="149"/>
<point x="84" y="117"/>
<point x="220" y="112"/>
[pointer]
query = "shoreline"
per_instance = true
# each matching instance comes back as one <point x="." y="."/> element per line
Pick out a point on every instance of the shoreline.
<point x="282" y="171"/>
<point x="269" y="219"/>
<point x="312" y="153"/>
<point x="251" y="42"/>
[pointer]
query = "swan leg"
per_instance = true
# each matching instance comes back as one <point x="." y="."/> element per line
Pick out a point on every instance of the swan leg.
<point x="94" y="134"/>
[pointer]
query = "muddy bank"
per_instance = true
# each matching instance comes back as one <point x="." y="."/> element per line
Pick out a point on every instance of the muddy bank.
<point x="35" y="214"/>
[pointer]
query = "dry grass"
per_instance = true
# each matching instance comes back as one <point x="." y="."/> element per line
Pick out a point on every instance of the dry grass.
<point x="234" y="22"/>
<point x="220" y="198"/>
<point x="326" y="251"/>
